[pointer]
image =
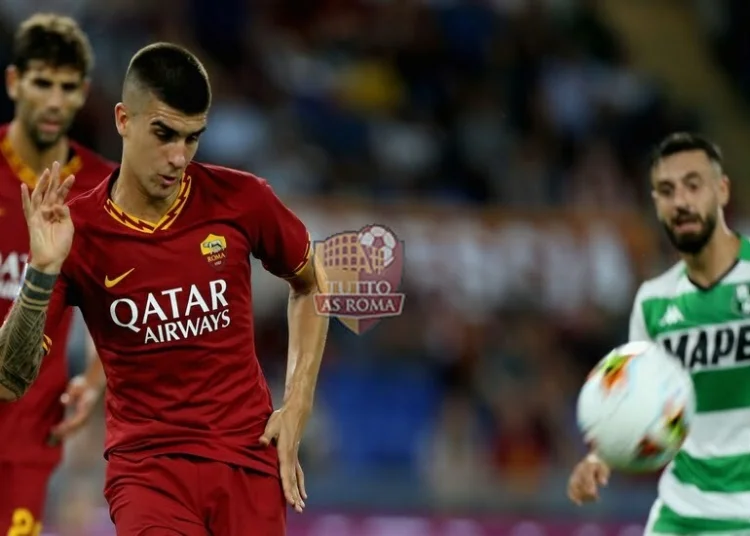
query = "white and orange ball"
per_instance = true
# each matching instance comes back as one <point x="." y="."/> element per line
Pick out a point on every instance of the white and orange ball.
<point x="636" y="407"/>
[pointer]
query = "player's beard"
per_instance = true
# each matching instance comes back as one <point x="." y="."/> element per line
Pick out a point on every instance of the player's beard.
<point x="43" y="140"/>
<point x="693" y="243"/>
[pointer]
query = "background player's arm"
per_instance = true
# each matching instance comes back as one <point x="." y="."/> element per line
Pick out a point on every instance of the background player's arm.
<point x="22" y="341"/>
<point x="82" y="394"/>
<point x="94" y="373"/>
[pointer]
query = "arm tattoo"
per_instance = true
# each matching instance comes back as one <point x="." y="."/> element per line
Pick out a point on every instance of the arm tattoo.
<point x="22" y="334"/>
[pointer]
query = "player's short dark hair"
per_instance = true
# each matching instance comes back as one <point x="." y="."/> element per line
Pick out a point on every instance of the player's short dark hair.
<point x="173" y="75"/>
<point x="53" y="39"/>
<point x="681" y="142"/>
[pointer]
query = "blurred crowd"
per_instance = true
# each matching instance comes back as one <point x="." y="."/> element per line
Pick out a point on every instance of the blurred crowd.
<point x="726" y="24"/>
<point x="519" y="102"/>
<point x="529" y="105"/>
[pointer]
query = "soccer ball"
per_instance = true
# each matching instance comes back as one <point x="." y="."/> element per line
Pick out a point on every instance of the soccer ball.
<point x="380" y="238"/>
<point x="636" y="407"/>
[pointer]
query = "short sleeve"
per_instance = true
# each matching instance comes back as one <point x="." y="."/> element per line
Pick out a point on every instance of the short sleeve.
<point x="638" y="331"/>
<point x="279" y="238"/>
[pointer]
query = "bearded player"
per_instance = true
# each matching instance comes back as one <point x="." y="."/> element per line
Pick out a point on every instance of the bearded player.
<point x="48" y="82"/>
<point x="160" y="269"/>
<point x="699" y="310"/>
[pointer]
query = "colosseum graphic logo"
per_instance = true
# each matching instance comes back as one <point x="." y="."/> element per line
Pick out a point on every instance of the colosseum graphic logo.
<point x="364" y="274"/>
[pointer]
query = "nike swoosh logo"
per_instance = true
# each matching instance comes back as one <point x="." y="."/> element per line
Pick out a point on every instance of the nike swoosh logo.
<point x="109" y="283"/>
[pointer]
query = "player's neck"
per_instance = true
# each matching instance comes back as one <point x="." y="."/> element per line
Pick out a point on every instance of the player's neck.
<point x="128" y="194"/>
<point x="36" y="159"/>
<point x="716" y="259"/>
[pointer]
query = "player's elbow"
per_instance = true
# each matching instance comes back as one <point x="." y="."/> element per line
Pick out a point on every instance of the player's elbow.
<point x="15" y="382"/>
<point x="310" y="280"/>
<point x="11" y="389"/>
<point x="6" y="395"/>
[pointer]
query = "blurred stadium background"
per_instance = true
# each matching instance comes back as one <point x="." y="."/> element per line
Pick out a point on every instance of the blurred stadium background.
<point x="505" y="142"/>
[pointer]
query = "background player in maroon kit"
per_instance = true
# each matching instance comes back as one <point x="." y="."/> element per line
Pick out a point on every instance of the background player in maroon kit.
<point x="48" y="82"/>
<point x="160" y="269"/>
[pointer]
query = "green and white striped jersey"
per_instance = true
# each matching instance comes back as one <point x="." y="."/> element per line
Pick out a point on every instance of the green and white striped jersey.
<point x="707" y="486"/>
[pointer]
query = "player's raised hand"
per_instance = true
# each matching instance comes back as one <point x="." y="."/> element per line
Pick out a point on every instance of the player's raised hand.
<point x="48" y="220"/>
<point x="587" y="477"/>
<point x="285" y="429"/>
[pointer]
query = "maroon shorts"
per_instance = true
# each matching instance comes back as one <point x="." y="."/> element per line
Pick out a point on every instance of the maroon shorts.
<point x="22" y="495"/>
<point x="185" y="496"/>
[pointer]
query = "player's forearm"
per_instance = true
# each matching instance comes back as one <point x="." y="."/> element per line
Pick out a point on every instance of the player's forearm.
<point x="94" y="373"/>
<point x="22" y="335"/>
<point x="307" y="337"/>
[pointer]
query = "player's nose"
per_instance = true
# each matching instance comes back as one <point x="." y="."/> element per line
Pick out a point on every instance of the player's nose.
<point x="178" y="157"/>
<point x="681" y="199"/>
<point x="56" y="99"/>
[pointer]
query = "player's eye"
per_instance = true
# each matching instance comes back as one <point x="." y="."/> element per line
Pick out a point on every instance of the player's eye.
<point x="163" y="135"/>
<point x="42" y="83"/>
<point x="665" y="191"/>
<point x="192" y="139"/>
<point x="69" y="87"/>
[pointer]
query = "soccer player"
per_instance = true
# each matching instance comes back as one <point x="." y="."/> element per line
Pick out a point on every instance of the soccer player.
<point x="48" y="82"/>
<point x="160" y="269"/>
<point x="700" y="311"/>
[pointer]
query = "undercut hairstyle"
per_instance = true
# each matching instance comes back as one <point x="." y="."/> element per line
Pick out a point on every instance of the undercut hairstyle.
<point x="54" y="39"/>
<point x="173" y="75"/>
<point x="682" y="142"/>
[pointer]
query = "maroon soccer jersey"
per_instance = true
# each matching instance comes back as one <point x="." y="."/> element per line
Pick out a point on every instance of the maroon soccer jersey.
<point x="169" y="307"/>
<point x="26" y="424"/>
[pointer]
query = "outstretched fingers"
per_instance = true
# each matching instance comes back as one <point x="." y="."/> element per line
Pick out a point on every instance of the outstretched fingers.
<point x="50" y="192"/>
<point x="40" y="191"/>
<point x="64" y="189"/>
<point x="57" y="189"/>
<point x="49" y="195"/>
<point x="26" y="200"/>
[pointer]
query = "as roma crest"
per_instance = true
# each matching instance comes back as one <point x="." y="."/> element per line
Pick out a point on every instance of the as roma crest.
<point x="214" y="250"/>
<point x="364" y="271"/>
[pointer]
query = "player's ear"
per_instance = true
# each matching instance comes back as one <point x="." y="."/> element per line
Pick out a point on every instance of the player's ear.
<point x="652" y="186"/>
<point x="724" y="191"/>
<point x="85" y="87"/>
<point x="12" y="78"/>
<point x="121" y="118"/>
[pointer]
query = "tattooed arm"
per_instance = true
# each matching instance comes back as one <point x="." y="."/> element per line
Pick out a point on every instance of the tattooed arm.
<point x="22" y="340"/>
